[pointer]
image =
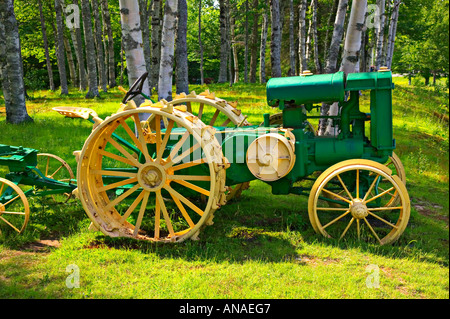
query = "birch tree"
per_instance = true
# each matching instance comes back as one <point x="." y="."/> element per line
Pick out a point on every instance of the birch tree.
<point x="110" y="43"/>
<point x="11" y="67"/>
<point x="46" y="51"/>
<point x="99" y="45"/>
<point x="132" y="43"/>
<point x="314" y="36"/>
<point x="254" y="42"/>
<point x="302" y="36"/>
<point x="291" y="39"/>
<point x="155" y="44"/>
<point x="380" y="34"/>
<point x="182" y="80"/>
<point x="338" y="32"/>
<point x="275" y="45"/>
<point x="167" y="50"/>
<point x="144" y="12"/>
<point x="352" y="47"/>
<point x="202" y="79"/>
<point x="224" y="46"/>
<point x="59" y="42"/>
<point x="78" y="45"/>
<point x="392" y="32"/>
<point x="90" y="50"/>
<point x="262" y="58"/>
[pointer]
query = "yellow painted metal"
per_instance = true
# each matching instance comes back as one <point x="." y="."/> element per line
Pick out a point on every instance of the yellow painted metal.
<point x="271" y="157"/>
<point x="152" y="179"/>
<point x="362" y="210"/>
<point x="56" y="168"/>
<point x="199" y="104"/>
<point x="15" y="212"/>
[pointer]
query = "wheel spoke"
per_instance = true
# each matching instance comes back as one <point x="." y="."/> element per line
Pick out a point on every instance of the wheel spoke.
<point x="336" y="219"/>
<point x="371" y="187"/>
<point x="165" y="214"/>
<point x="345" y="188"/>
<point x="190" y="164"/>
<point x="121" y="150"/>
<point x="141" y="212"/>
<point x="213" y="120"/>
<point x="131" y="134"/>
<point x="346" y="228"/>
<point x="124" y="160"/>
<point x="336" y="195"/>
<point x="132" y="207"/>
<point x="357" y="183"/>
<point x="176" y="148"/>
<point x="200" y="111"/>
<point x="11" y="225"/>
<point x="142" y="138"/>
<point x="383" y="220"/>
<point x="113" y="173"/>
<point x="13" y="213"/>
<point x="206" y="178"/>
<point x="184" y="200"/>
<point x="193" y="187"/>
<point x="11" y="200"/>
<point x="164" y="142"/>
<point x="371" y="229"/>
<point x="379" y="195"/>
<point x="183" y="210"/>
<point x="333" y="209"/>
<point x="122" y="197"/>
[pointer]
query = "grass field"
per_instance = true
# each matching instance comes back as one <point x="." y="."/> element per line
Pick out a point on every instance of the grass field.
<point x="260" y="246"/>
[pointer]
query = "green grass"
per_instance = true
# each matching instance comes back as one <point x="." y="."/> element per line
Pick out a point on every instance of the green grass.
<point x="261" y="246"/>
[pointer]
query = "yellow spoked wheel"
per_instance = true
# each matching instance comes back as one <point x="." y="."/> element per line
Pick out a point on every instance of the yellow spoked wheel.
<point x="54" y="167"/>
<point x="395" y="164"/>
<point x="277" y="119"/>
<point x="155" y="196"/>
<point x="215" y="112"/>
<point x="14" y="208"/>
<point x="362" y="210"/>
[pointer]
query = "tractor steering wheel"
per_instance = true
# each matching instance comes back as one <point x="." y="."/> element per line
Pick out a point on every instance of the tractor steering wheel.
<point x="135" y="89"/>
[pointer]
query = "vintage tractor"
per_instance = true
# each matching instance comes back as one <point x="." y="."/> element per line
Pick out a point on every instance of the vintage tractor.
<point x="160" y="171"/>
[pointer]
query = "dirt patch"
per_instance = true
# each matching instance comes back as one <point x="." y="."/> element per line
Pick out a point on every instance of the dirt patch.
<point x="430" y="210"/>
<point x="315" y="260"/>
<point x="43" y="245"/>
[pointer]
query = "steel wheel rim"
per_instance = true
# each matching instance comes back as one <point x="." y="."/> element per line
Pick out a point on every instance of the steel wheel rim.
<point x="15" y="219"/>
<point x="114" y="223"/>
<point x="358" y="212"/>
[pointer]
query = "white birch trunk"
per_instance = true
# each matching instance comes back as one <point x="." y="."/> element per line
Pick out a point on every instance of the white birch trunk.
<point x="155" y="44"/>
<point x="392" y="32"/>
<point x="167" y="50"/>
<point x="352" y="47"/>
<point x="380" y="34"/>
<point x="315" y="37"/>
<point x="302" y="36"/>
<point x="132" y="43"/>
<point x="262" y="57"/>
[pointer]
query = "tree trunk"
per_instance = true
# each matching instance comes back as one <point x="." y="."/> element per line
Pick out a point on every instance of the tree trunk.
<point x="78" y="46"/>
<point x="262" y="58"/>
<point x="352" y="47"/>
<point x="292" y="69"/>
<point x="380" y="34"/>
<point x="302" y="36"/>
<point x="234" y="49"/>
<point x="331" y="15"/>
<point x="315" y="37"/>
<point x="110" y="41"/>
<point x="59" y="41"/>
<point x="156" y="44"/>
<point x="99" y="45"/>
<point x="182" y="78"/>
<point x="132" y="44"/>
<point x="246" y="44"/>
<point x="167" y="50"/>
<point x="11" y="67"/>
<point x="275" y="45"/>
<point x="392" y="32"/>
<point x="338" y="31"/>
<point x="144" y="14"/>
<point x="70" y="62"/>
<point x="47" y="54"/>
<point x="202" y="79"/>
<point x="90" y="50"/>
<point x="224" y="45"/>
<point x="352" y="44"/>
<point x="254" y="43"/>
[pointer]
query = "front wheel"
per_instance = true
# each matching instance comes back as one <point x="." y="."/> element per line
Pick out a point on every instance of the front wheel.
<point x="361" y="210"/>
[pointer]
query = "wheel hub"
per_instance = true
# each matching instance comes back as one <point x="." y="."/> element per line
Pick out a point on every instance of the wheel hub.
<point x="152" y="177"/>
<point x="358" y="209"/>
<point x="2" y="208"/>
